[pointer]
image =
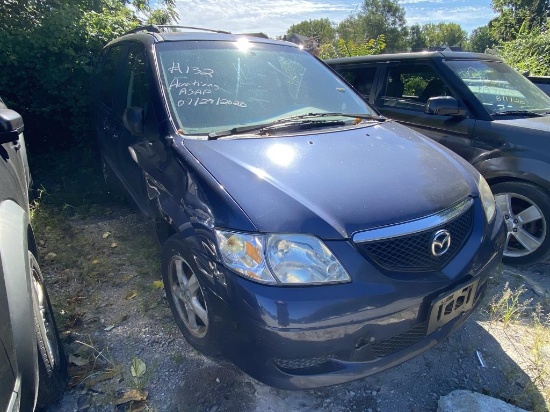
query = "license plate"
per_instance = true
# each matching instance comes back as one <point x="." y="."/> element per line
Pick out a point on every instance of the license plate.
<point x="451" y="305"/>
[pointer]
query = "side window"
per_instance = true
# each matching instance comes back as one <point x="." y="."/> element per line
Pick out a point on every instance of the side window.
<point x="361" y="78"/>
<point x="107" y="74"/>
<point x="135" y="79"/>
<point x="410" y="87"/>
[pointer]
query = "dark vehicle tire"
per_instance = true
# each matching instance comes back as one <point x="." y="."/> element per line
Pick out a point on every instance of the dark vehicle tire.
<point x="52" y="365"/>
<point x="186" y="296"/>
<point x="526" y="210"/>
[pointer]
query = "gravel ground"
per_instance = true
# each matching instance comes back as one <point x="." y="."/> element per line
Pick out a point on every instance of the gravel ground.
<point x="103" y="275"/>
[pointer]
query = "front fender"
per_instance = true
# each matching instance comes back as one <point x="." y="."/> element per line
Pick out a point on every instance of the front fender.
<point x="528" y="169"/>
<point x="14" y="224"/>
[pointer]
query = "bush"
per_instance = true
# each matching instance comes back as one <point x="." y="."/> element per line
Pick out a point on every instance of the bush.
<point x="47" y="67"/>
<point x="528" y="52"/>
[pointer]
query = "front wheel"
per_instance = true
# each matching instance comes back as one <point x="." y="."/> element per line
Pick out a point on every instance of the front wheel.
<point x="526" y="210"/>
<point x="52" y="365"/>
<point x="186" y="296"/>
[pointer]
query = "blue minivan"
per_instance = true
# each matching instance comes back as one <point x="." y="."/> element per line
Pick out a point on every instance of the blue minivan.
<point x="304" y="236"/>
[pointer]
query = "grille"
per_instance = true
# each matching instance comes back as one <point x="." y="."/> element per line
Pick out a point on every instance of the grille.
<point x="413" y="252"/>
<point x="396" y="343"/>
<point x="301" y="363"/>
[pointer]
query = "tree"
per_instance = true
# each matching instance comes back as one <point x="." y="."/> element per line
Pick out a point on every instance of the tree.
<point x="351" y="28"/>
<point x="377" y="17"/>
<point x="444" y="34"/>
<point x="515" y="16"/>
<point x="47" y="55"/>
<point x="481" y="39"/>
<point x="386" y="17"/>
<point x="349" y="48"/>
<point x="417" y="40"/>
<point x="321" y="30"/>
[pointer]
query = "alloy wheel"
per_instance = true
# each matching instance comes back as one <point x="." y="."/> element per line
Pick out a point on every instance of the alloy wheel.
<point x="45" y="323"/>
<point x="188" y="297"/>
<point x="525" y="223"/>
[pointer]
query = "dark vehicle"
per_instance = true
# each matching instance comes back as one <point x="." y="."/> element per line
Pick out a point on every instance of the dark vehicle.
<point x="542" y="82"/>
<point x="32" y="361"/>
<point x="485" y="111"/>
<point x="306" y="237"/>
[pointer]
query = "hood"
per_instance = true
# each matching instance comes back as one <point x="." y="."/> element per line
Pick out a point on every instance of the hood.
<point x="529" y="136"/>
<point x="541" y="124"/>
<point x="335" y="183"/>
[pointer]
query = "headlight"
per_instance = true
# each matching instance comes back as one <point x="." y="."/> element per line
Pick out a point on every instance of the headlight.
<point x="487" y="198"/>
<point x="303" y="259"/>
<point x="287" y="259"/>
<point x="244" y="253"/>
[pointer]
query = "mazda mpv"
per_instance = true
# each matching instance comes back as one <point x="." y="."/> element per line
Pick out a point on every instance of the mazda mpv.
<point x="305" y="237"/>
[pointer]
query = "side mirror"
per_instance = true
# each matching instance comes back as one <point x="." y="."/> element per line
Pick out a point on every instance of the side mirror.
<point x="133" y="120"/>
<point x="11" y="124"/>
<point x="444" y="106"/>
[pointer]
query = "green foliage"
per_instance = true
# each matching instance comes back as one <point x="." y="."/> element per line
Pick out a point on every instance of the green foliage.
<point x="414" y="85"/>
<point x="518" y="16"/>
<point x="47" y="54"/>
<point x="348" y="48"/>
<point x="444" y="34"/>
<point x="321" y="30"/>
<point x="377" y="17"/>
<point x="481" y="39"/>
<point x="417" y="39"/>
<point x="529" y="52"/>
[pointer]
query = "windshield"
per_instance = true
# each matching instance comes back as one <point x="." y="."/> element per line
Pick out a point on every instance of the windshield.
<point x="500" y="88"/>
<point x="214" y="86"/>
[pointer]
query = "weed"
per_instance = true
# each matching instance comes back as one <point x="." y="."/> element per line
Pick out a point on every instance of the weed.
<point x="508" y="307"/>
<point x="508" y="310"/>
<point x="91" y="365"/>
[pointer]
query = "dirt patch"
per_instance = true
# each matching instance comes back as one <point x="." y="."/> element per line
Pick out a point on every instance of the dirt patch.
<point x="104" y="279"/>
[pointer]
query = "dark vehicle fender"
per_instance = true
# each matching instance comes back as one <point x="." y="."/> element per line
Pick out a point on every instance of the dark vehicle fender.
<point x="515" y="168"/>
<point x="14" y="226"/>
<point x="193" y="202"/>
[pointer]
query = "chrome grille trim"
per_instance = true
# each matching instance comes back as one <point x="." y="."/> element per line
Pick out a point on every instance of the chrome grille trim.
<point x="414" y="226"/>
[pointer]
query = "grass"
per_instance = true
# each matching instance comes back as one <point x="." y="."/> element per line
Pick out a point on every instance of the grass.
<point x="508" y="306"/>
<point x="516" y="316"/>
<point x="87" y="241"/>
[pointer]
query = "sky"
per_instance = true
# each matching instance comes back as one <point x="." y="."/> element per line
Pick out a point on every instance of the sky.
<point x="274" y="17"/>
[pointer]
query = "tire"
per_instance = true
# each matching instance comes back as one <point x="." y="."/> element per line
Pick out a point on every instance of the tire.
<point x="52" y="365"/>
<point x="526" y="210"/>
<point x="187" y="297"/>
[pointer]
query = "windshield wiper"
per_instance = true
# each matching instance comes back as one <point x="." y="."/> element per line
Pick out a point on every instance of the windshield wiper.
<point x="292" y="120"/>
<point x="518" y="113"/>
<point x="355" y="115"/>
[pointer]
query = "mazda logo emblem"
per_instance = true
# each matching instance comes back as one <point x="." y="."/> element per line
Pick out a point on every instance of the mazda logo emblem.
<point x="441" y="242"/>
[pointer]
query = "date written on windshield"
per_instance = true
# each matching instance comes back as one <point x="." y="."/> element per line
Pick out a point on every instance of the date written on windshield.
<point x="216" y="102"/>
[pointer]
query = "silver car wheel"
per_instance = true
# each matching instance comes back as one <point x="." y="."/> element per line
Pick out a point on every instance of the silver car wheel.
<point x="525" y="223"/>
<point x="188" y="297"/>
<point x="44" y="322"/>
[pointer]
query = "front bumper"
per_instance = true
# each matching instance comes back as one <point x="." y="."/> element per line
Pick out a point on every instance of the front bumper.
<point x="307" y="337"/>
